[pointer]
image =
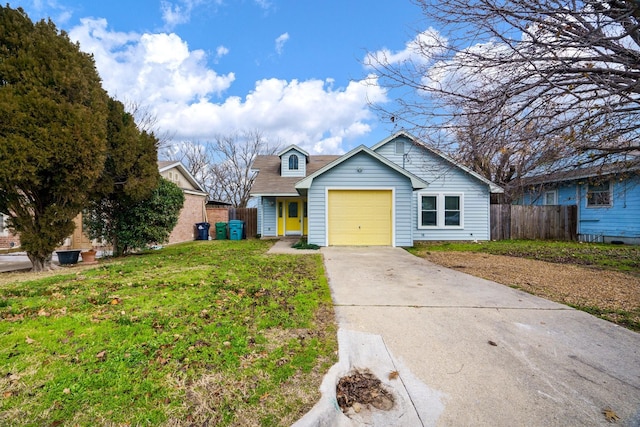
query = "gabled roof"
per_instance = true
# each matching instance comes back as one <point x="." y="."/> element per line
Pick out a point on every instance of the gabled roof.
<point x="293" y="147"/>
<point x="494" y="188"/>
<point x="164" y="166"/>
<point x="416" y="182"/>
<point x="270" y="183"/>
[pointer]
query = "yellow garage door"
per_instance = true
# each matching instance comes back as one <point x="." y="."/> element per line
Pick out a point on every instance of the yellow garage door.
<point x="360" y="217"/>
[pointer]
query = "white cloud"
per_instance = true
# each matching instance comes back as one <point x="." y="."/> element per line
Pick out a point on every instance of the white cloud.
<point x="221" y="51"/>
<point x="149" y="67"/>
<point x="160" y="72"/>
<point x="174" y="14"/>
<point x="421" y="50"/>
<point x="39" y="9"/>
<point x="310" y="114"/>
<point x="179" y="12"/>
<point x="280" y="41"/>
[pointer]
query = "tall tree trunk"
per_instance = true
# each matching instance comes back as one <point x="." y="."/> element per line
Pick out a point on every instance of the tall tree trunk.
<point x="40" y="262"/>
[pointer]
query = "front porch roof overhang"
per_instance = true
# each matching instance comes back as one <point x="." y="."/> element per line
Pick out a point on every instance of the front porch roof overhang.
<point x="276" y="195"/>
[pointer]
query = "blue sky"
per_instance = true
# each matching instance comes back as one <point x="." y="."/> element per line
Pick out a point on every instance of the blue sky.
<point x="292" y="69"/>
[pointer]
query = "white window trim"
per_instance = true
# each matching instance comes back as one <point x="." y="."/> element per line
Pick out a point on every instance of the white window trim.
<point x="297" y="162"/>
<point x="555" y="197"/>
<point x="440" y="211"/>
<point x="610" y="205"/>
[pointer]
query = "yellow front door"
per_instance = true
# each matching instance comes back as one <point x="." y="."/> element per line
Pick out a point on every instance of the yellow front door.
<point x="293" y="217"/>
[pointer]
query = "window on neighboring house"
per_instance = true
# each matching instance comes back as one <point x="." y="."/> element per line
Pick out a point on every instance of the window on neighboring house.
<point x="550" y="197"/>
<point x="439" y="210"/>
<point x="174" y="177"/>
<point x="4" y="231"/>
<point x="293" y="162"/>
<point x="599" y="195"/>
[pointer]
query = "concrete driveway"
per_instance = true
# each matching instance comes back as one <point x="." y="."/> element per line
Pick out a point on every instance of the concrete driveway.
<point x="490" y="355"/>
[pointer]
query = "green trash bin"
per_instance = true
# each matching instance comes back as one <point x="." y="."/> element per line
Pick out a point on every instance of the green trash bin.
<point x="236" y="229"/>
<point x="221" y="230"/>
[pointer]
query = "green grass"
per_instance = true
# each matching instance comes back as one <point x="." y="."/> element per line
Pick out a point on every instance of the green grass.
<point x="624" y="258"/>
<point x="204" y="332"/>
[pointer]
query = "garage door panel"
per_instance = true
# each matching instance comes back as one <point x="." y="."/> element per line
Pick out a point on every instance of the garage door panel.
<point x="360" y="217"/>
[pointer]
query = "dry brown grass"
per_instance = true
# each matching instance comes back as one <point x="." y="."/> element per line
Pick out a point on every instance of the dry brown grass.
<point x="564" y="283"/>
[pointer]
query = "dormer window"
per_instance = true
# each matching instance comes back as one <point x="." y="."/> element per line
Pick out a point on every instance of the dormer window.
<point x="293" y="162"/>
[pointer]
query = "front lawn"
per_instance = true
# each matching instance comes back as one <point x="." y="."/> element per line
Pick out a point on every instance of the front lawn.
<point x="203" y="333"/>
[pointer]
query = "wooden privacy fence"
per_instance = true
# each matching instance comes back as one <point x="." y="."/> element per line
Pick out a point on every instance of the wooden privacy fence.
<point x="553" y="222"/>
<point x="250" y="218"/>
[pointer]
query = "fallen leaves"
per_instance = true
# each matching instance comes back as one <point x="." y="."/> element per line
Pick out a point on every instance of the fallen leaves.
<point x="102" y="355"/>
<point x="30" y="340"/>
<point x="363" y="388"/>
<point x="393" y="375"/>
<point x="610" y="415"/>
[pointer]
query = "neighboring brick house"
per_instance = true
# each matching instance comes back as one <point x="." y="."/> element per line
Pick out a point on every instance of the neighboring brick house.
<point x="193" y="211"/>
<point x="195" y="200"/>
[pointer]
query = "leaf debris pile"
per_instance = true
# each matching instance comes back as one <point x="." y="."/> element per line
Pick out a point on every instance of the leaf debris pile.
<point x="362" y="388"/>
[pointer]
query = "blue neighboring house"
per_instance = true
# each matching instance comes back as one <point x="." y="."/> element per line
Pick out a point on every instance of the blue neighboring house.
<point x="607" y="199"/>
<point x="392" y="194"/>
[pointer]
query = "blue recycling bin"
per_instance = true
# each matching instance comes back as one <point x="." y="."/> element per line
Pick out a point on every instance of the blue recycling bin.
<point x="236" y="229"/>
<point x="202" y="229"/>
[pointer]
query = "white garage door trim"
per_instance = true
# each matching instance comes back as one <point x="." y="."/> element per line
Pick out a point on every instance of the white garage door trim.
<point x="393" y="208"/>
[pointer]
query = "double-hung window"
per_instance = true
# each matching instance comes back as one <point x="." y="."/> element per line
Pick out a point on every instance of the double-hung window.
<point x="440" y="210"/>
<point x="599" y="195"/>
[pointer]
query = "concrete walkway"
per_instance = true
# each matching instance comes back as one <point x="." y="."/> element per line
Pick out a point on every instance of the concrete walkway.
<point x="477" y="353"/>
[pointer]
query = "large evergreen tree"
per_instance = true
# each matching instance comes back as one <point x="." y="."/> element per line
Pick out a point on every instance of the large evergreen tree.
<point x="130" y="175"/>
<point x="52" y="131"/>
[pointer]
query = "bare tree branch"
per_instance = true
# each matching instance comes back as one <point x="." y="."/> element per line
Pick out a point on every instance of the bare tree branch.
<point x="537" y="81"/>
<point x="224" y="164"/>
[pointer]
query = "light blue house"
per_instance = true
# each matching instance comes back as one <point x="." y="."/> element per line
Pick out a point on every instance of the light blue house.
<point x="607" y="200"/>
<point x="392" y="194"/>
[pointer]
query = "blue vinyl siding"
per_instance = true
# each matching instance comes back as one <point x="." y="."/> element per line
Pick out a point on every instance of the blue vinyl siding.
<point x="443" y="178"/>
<point x="267" y="216"/>
<point x="302" y="164"/>
<point x="621" y="219"/>
<point x="374" y="175"/>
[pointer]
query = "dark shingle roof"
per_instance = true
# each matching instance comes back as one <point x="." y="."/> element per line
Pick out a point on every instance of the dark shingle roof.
<point x="269" y="180"/>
